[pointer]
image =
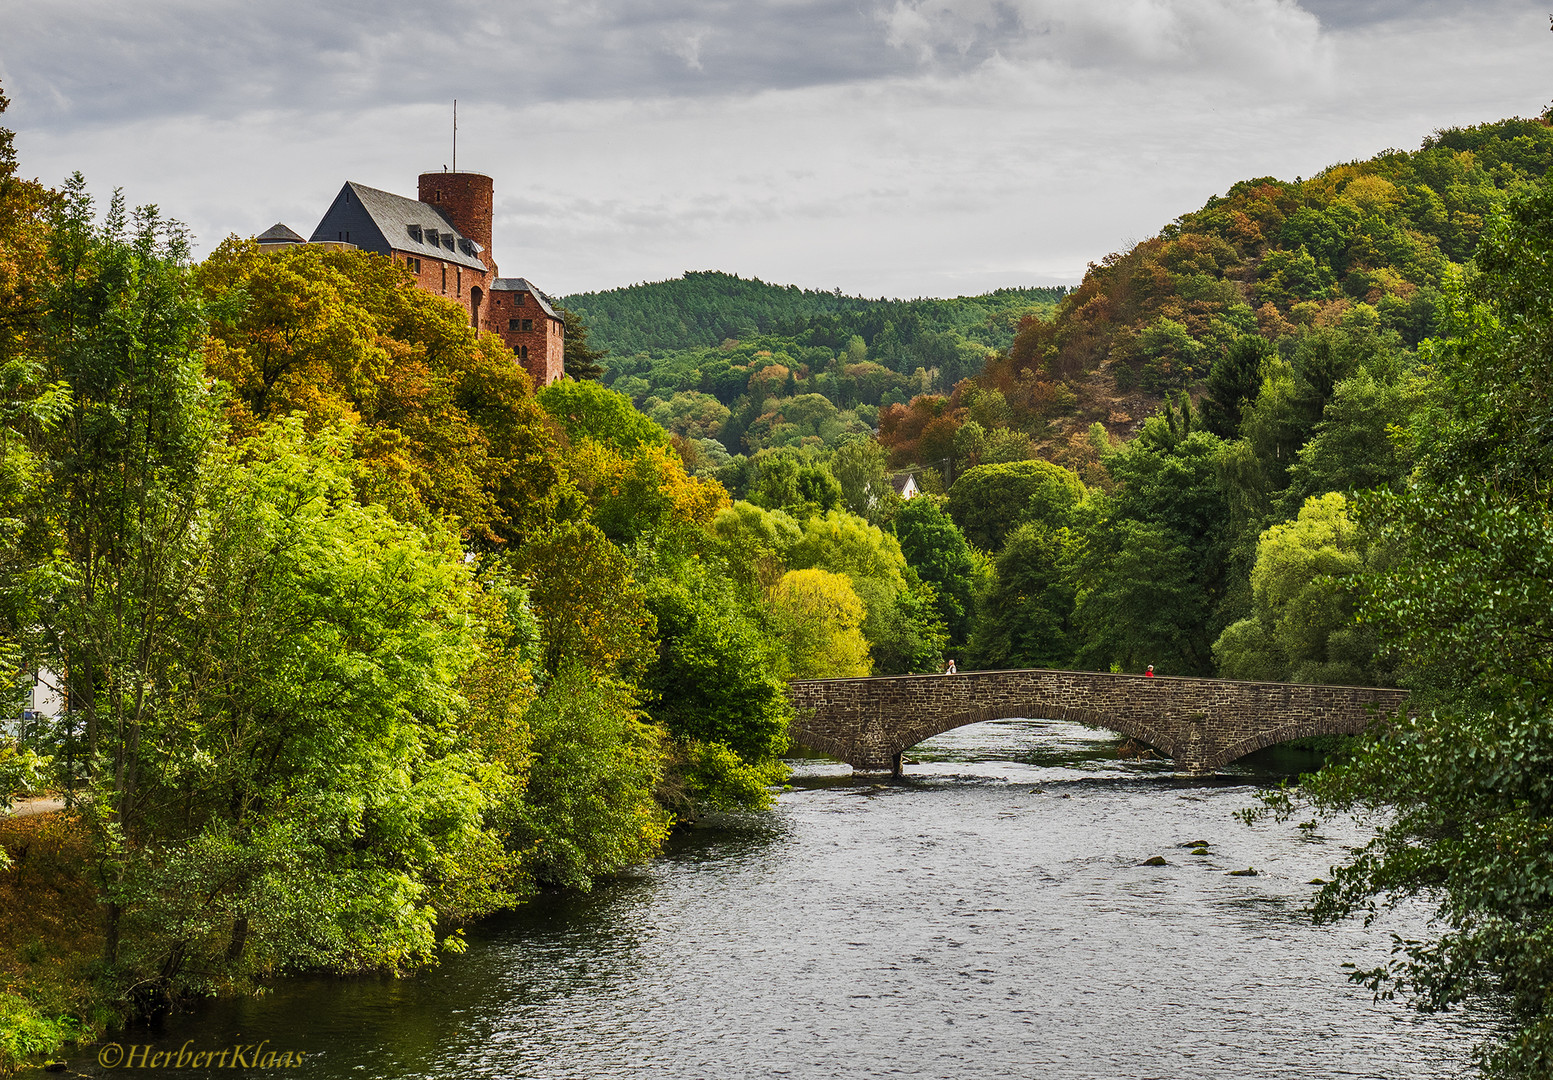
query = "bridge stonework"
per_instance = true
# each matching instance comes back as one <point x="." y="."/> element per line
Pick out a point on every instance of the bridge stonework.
<point x="1201" y="723"/>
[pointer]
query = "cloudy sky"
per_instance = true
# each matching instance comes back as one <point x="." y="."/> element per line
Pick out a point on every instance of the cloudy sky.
<point x="888" y="147"/>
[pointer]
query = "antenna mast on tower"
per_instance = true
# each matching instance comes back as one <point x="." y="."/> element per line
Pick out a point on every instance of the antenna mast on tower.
<point x="455" y="134"/>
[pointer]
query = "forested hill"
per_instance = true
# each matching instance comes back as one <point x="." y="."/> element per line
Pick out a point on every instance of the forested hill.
<point x="1317" y="271"/>
<point x="705" y="308"/>
<point x="1359" y="251"/>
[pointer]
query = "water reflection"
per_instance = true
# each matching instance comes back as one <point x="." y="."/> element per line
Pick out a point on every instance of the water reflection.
<point x="989" y="915"/>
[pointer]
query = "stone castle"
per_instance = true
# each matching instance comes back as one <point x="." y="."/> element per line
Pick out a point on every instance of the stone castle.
<point x="443" y="239"/>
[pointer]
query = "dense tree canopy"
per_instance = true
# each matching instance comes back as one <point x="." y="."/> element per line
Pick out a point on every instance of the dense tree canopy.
<point x="990" y="501"/>
<point x="937" y="551"/>
<point x="1029" y="607"/>
<point x="1465" y="605"/>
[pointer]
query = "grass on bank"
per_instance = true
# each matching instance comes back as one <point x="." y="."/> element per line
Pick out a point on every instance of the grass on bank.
<point x="50" y="940"/>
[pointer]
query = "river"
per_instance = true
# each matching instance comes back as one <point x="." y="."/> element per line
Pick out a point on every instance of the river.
<point x="988" y="916"/>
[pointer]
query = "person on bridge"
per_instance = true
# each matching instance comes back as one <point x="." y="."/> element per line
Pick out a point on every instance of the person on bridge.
<point x="1149" y="674"/>
<point x="950" y="670"/>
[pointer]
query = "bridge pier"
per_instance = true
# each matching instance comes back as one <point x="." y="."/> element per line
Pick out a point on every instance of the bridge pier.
<point x="1201" y="723"/>
<point x="1191" y="754"/>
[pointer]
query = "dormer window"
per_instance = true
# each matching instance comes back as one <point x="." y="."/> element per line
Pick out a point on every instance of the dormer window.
<point x="431" y="237"/>
<point x="447" y="240"/>
<point x="415" y="233"/>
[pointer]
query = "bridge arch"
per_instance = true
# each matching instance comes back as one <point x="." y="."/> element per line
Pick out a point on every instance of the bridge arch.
<point x="1302" y="728"/>
<point x="1153" y="734"/>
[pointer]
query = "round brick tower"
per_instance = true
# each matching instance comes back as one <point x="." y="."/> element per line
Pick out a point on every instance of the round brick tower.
<point x="466" y="199"/>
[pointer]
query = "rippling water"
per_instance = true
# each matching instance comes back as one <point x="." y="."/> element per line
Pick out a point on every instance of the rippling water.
<point x="987" y="917"/>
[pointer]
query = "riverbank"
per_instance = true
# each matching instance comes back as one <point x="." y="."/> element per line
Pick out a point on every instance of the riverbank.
<point x="50" y="939"/>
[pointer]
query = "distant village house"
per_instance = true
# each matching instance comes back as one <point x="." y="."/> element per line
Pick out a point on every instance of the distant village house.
<point x="905" y="485"/>
<point x="443" y="239"/>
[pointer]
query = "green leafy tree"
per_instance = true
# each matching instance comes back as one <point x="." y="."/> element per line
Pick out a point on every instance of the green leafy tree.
<point x="1355" y="447"/>
<point x="988" y="502"/>
<point x="1025" y="618"/>
<point x="1465" y="777"/>
<point x="713" y="682"/>
<point x="906" y="634"/>
<point x="585" y="408"/>
<point x="801" y="488"/>
<point x="1302" y="627"/>
<point x="861" y="468"/>
<point x="1288" y="276"/>
<point x="937" y="551"/>
<point x="295" y="791"/>
<point x="122" y="329"/>
<point x="756" y="543"/>
<point x="1141" y="603"/>
<point x="901" y="621"/>
<point x="579" y="360"/>
<point x="1171" y="355"/>
<point x="590" y="610"/>
<point x="1275" y="426"/>
<point x="1233" y="383"/>
<point x="1154" y="573"/>
<point x="844" y="543"/>
<point x="590" y="809"/>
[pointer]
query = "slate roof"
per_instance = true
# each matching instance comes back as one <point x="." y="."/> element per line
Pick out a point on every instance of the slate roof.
<point x="393" y="215"/>
<point x="517" y="284"/>
<point x="279" y="233"/>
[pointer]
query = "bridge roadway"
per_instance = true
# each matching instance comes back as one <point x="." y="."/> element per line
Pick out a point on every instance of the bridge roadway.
<point x="1201" y="723"/>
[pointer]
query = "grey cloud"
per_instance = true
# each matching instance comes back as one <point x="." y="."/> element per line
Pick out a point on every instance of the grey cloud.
<point x="1350" y="14"/>
<point x="1134" y="39"/>
<point x="228" y="58"/>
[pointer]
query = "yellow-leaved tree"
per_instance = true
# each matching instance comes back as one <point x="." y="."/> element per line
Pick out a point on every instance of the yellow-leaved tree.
<point x="818" y="617"/>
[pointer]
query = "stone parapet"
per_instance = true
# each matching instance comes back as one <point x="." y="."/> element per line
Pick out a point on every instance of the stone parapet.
<point x="1201" y="723"/>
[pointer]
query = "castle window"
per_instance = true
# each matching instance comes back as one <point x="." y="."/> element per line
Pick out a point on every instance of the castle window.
<point x="517" y="299"/>
<point x="444" y="279"/>
<point x="412" y="265"/>
<point x="447" y="241"/>
<point x="431" y="237"/>
<point x="528" y="324"/>
<point x="523" y="352"/>
<point x="415" y="233"/>
<point x="514" y="324"/>
<point x="458" y="280"/>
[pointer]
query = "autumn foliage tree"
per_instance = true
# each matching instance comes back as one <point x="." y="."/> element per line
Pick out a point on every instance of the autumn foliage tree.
<point x="448" y="423"/>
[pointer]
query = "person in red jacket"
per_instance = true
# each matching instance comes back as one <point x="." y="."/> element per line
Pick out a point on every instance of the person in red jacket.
<point x="1149" y="674"/>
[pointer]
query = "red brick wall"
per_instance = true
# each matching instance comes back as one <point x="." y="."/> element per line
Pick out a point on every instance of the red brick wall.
<point x="549" y="366"/>
<point x="466" y="198"/>
<point x="460" y="279"/>
<point x="542" y="344"/>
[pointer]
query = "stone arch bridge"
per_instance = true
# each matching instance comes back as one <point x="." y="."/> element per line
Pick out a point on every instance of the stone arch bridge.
<point x="1201" y="723"/>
